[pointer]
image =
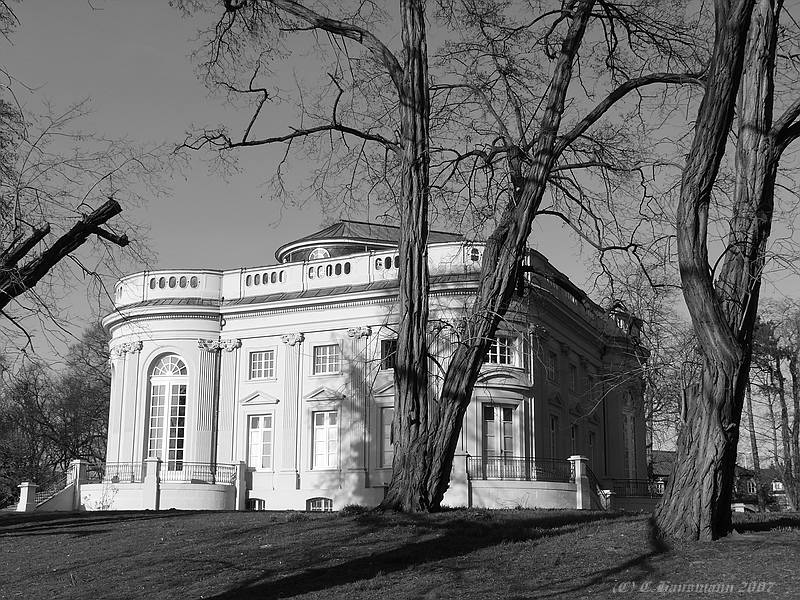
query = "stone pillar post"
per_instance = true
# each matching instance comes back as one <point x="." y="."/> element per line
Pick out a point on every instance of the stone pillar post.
<point x="241" y="486"/>
<point x="583" y="493"/>
<point x="150" y="491"/>
<point x="77" y="475"/>
<point x="27" y="497"/>
<point x="289" y="465"/>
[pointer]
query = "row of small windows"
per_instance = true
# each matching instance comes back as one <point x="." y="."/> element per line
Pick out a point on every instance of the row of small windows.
<point x="386" y="263"/>
<point x="264" y="278"/>
<point x="173" y="281"/>
<point x="329" y="270"/>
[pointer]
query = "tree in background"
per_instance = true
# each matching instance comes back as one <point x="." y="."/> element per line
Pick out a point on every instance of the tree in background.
<point x="49" y="418"/>
<point x="59" y="187"/>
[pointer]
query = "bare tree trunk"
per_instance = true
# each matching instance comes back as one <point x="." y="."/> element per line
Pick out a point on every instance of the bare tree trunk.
<point x="410" y="470"/>
<point x="787" y="467"/>
<point x="762" y="501"/>
<point x="696" y="503"/>
<point x="776" y="457"/>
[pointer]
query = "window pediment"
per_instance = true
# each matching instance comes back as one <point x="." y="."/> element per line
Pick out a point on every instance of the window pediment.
<point x="504" y="377"/>
<point x="259" y="397"/>
<point x="324" y="394"/>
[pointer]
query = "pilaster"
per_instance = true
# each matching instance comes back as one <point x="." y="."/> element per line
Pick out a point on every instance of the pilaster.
<point x="290" y="434"/>
<point x="355" y="416"/>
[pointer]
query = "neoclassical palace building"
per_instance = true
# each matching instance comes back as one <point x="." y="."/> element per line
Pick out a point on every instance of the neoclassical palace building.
<point x="272" y="387"/>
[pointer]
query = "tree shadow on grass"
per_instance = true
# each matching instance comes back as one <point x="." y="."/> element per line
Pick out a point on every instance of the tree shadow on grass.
<point x="454" y="538"/>
<point x="74" y="523"/>
<point x="642" y="562"/>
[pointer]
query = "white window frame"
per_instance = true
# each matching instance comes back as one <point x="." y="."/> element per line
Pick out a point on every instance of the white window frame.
<point x="266" y="374"/>
<point x="502" y="352"/>
<point x="327" y="364"/>
<point x="324" y="431"/>
<point x="261" y="429"/>
<point x="170" y="422"/>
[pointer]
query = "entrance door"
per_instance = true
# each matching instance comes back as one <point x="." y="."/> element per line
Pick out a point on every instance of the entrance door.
<point x="498" y="442"/>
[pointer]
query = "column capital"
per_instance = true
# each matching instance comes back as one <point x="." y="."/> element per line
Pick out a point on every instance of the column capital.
<point x="292" y="339"/>
<point x="216" y="345"/>
<point x="120" y="350"/>
<point x="359" y="332"/>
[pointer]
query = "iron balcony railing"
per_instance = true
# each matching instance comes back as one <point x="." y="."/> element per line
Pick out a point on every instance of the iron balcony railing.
<point x="637" y="488"/>
<point x="197" y="472"/>
<point x="168" y="471"/>
<point x="519" y="468"/>
<point x="119" y="473"/>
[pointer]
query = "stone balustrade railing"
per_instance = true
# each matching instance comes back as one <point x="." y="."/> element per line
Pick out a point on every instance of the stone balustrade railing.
<point x="355" y="269"/>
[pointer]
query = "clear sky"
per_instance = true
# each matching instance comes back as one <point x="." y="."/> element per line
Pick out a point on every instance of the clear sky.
<point x="131" y="58"/>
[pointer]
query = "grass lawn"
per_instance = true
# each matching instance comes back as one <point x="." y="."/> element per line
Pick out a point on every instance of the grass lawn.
<point x="459" y="554"/>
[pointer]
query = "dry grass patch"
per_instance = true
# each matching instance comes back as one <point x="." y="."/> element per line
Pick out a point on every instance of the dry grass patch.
<point x="458" y="554"/>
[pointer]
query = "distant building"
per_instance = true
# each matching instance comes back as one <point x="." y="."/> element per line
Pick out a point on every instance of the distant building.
<point x="272" y="387"/>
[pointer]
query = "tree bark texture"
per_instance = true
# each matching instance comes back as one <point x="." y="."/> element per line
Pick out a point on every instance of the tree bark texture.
<point x="411" y="467"/>
<point x="696" y="504"/>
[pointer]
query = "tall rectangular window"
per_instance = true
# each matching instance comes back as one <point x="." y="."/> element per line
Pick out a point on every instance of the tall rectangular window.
<point x="177" y="423"/>
<point x="591" y="440"/>
<point x="155" y="444"/>
<point x="501" y="352"/>
<point x="260" y="442"/>
<point x="498" y="430"/>
<point x="327" y="359"/>
<point x="326" y="440"/>
<point x="262" y="364"/>
<point x="388" y="354"/>
<point x="387" y="447"/>
<point x="553" y="436"/>
<point x="551" y="366"/>
<point x="573" y="439"/>
<point x="573" y="378"/>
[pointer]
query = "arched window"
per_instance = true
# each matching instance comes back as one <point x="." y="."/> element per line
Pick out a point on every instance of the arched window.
<point x="378" y="264"/>
<point x="347" y="268"/>
<point x="338" y="268"/>
<point x="328" y="270"/>
<point x="257" y="279"/>
<point x="273" y="277"/>
<point x="388" y="262"/>
<point x="167" y="416"/>
<point x="319" y="253"/>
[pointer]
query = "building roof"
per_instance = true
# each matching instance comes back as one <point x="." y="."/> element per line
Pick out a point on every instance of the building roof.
<point x="363" y="232"/>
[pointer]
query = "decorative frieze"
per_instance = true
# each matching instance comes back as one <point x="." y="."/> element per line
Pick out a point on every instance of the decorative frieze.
<point x="292" y="339"/>
<point x="359" y="332"/>
<point x="125" y="348"/>
<point x="217" y="345"/>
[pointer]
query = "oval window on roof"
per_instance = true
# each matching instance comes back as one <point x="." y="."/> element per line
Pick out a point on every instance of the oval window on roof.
<point x="319" y="253"/>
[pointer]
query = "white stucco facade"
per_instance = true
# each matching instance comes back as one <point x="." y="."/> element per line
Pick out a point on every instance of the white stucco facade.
<point x="286" y="372"/>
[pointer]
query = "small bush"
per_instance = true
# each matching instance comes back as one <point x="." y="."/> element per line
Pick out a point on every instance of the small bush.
<point x="353" y="510"/>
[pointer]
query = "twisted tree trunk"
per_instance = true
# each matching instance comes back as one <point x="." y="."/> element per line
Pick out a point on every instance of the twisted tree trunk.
<point x="696" y="504"/>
